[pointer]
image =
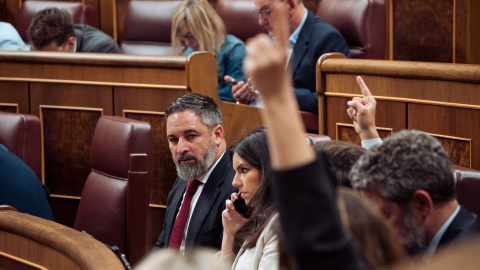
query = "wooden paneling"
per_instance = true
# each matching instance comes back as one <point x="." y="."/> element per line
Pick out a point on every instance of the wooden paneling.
<point x="67" y="137"/>
<point x="423" y="30"/>
<point x="73" y="95"/>
<point x="473" y="55"/>
<point x="467" y="31"/>
<point x="3" y="11"/>
<point x="9" y="107"/>
<point x="12" y="262"/>
<point x="440" y="99"/>
<point x="15" y="93"/>
<point x="459" y="149"/>
<point x="457" y="123"/>
<point x="107" y="22"/>
<point x="12" y="8"/>
<point x="435" y="30"/>
<point x="157" y="216"/>
<point x="346" y="132"/>
<point x="164" y="168"/>
<point x="130" y="98"/>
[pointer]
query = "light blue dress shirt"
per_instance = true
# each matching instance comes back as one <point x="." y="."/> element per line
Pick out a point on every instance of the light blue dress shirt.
<point x="10" y="40"/>
<point x="433" y="245"/>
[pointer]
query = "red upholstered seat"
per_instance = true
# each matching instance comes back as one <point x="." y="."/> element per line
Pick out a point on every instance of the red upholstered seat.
<point x="147" y="27"/>
<point x="239" y="18"/>
<point x="468" y="188"/>
<point x="147" y="24"/>
<point x="81" y="13"/>
<point x="363" y="23"/>
<point x="20" y="133"/>
<point x="310" y="121"/>
<point x="113" y="207"/>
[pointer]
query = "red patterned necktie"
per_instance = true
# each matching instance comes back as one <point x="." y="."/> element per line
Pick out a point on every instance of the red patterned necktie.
<point x="181" y="221"/>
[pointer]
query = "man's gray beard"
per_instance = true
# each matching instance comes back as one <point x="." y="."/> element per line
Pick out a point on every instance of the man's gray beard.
<point x="412" y="235"/>
<point x="199" y="167"/>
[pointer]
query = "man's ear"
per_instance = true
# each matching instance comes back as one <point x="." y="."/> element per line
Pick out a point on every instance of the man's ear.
<point x="292" y="4"/>
<point x="421" y="204"/>
<point x="217" y="133"/>
<point x="71" y="44"/>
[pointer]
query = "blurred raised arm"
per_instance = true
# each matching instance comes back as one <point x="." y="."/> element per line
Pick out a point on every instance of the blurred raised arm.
<point x="265" y="64"/>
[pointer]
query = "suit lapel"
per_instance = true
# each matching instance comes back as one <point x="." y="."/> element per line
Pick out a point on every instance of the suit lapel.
<point x="206" y="200"/>
<point x="176" y="201"/>
<point x="460" y="223"/>
<point x="302" y="43"/>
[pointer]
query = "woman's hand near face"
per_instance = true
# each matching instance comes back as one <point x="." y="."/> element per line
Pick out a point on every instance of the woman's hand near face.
<point x="232" y="221"/>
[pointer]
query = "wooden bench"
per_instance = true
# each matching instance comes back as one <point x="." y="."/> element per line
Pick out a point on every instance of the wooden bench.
<point x="29" y="242"/>
<point x="438" y="98"/>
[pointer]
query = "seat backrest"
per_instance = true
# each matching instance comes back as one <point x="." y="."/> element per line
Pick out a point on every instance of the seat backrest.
<point x="81" y="13"/>
<point x="467" y="188"/>
<point x="106" y="196"/>
<point x="362" y="23"/>
<point x="20" y="133"/>
<point x="147" y="27"/>
<point x="239" y="18"/>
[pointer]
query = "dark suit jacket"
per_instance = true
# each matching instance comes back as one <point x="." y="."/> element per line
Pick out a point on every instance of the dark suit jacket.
<point x="311" y="225"/>
<point x="465" y="224"/>
<point x="205" y="227"/>
<point x="21" y="188"/>
<point x="90" y="39"/>
<point x="316" y="38"/>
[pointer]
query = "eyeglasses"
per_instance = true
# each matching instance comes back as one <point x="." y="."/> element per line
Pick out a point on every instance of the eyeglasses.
<point x="264" y="12"/>
<point x="187" y="36"/>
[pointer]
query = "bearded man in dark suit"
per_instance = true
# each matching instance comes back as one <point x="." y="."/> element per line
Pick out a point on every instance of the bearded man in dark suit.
<point x="196" y="139"/>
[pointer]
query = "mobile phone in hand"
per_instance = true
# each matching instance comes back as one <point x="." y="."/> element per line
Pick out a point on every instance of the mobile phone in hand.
<point x="231" y="81"/>
<point x="241" y="207"/>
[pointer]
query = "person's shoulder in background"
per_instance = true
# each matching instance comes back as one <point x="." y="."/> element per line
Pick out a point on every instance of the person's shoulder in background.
<point x="10" y="40"/>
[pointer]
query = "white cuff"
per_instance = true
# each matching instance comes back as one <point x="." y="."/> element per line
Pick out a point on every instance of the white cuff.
<point x="371" y="143"/>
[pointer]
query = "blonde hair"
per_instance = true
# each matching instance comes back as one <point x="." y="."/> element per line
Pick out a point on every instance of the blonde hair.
<point x="202" y="21"/>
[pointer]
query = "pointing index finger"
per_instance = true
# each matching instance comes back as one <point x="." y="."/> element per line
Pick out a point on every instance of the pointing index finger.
<point x="363" y="87"/>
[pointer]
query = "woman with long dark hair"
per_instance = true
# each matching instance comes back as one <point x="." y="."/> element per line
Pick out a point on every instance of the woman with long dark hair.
<point x="251" y="240"/>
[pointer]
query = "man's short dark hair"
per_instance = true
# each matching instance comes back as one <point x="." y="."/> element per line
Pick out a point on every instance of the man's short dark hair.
<point x="203" y="106"/>
<point x="342" y="156"/>
<point x="50" y="24"/>
<point x="410" y="160"/>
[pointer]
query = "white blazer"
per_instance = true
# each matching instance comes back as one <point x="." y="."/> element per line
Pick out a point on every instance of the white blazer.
<point x="264" y="255"/>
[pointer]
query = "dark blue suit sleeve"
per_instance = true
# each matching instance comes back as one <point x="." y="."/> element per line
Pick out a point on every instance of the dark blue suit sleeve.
<point x="316" y="38"/>
<point x="307" y="100"/>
